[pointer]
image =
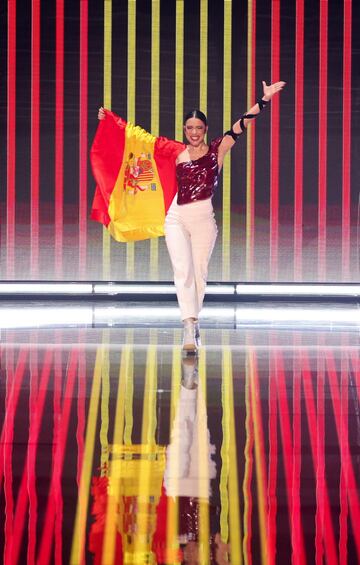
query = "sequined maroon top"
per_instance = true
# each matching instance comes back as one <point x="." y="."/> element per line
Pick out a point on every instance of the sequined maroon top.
<point x="198" y="179"/>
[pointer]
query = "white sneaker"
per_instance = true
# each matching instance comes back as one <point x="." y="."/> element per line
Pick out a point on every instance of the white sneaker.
<point x="189" y="343"/>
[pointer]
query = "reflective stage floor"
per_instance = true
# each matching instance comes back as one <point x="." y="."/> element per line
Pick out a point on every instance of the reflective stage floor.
<point x="115" y="448"/>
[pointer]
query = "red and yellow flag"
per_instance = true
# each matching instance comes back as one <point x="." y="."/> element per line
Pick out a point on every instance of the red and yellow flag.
<point x="136" y="179"/>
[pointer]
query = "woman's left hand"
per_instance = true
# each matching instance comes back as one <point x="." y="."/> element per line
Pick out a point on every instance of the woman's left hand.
<point x="101" y="114"/>
<point x="271" y="89"/>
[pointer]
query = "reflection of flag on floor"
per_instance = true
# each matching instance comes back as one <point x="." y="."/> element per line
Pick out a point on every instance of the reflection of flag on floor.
<point x="135" y="176"/>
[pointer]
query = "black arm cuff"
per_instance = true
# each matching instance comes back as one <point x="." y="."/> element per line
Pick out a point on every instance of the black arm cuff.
<point x="232" y="134"/>
<point x="246" y="117"/>
<point x="262" y="103"/>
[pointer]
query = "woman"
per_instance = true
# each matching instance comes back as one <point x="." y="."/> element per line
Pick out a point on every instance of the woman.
<point x="190" y="227"/>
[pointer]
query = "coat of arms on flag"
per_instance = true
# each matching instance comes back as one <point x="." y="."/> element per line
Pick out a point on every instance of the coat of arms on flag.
<point x="139" y="173"/>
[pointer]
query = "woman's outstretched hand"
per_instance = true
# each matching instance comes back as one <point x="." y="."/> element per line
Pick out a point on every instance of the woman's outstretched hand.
<point x="101" y="114"/>
<point x="271" y="89"/>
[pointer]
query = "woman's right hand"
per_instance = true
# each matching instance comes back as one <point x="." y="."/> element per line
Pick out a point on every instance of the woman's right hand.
<point x="101" y="114"/>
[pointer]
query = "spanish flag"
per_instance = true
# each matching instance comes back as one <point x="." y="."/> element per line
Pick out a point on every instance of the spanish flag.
<point x="136" y="179"/>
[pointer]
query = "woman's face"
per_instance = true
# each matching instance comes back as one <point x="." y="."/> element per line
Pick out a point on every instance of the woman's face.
<point x="195" y="131"/>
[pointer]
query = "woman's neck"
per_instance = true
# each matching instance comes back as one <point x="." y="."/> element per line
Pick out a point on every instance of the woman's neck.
<point x="197" y="151"/>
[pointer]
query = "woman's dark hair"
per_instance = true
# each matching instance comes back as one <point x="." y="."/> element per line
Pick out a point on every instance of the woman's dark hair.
<point x="196" y="114"/>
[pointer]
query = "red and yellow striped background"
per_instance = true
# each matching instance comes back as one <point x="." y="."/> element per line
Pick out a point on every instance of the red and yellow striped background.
<point x="288" y="207"/>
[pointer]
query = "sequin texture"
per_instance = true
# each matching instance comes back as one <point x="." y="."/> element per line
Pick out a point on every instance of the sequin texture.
<point x="198" y="179"/>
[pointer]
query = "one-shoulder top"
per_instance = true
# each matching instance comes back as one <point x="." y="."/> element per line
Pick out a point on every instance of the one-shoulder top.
<point x="198" y="179"/>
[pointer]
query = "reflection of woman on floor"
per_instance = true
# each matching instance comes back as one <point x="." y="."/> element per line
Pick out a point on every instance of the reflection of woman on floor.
<point x="140" y="516"/>
<point x="190" y="468"/>
<point x="190" y="226"/>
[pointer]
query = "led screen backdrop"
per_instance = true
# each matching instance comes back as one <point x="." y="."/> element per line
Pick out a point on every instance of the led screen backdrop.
<point x="287" y="207"/>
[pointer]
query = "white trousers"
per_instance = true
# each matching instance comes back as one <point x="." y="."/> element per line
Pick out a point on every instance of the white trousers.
<point x="190" y="234"/>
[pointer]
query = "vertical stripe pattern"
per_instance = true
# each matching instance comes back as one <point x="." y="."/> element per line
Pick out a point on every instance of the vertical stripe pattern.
<point x="226" y="206"/>
<point x="322" y="178"/>
<point x="298" y="170"/>
<point x="11" y="140"/>
<point x="250" y="142"/>
<point x="203" y="91"/>
<point x="83" y="137"/>
<point x="59" y="138"/>
<point x="35" y="136"/>
<point x="274" y="142"/>
<point x="179" y="70"/>
<point x="107" y="65"/>
<point x="290" y="211"/>
<point x="346" y="141"/>
<point x="78" y="541"/>
<point x="155" y="114"/>
<point x="131" y="99"/>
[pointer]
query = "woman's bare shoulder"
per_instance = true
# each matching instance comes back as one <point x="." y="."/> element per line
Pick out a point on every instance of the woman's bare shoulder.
<point x="183" y="157"/>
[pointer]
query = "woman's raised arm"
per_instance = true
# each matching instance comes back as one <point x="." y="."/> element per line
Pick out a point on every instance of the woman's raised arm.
<point x="241" y="124"/>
